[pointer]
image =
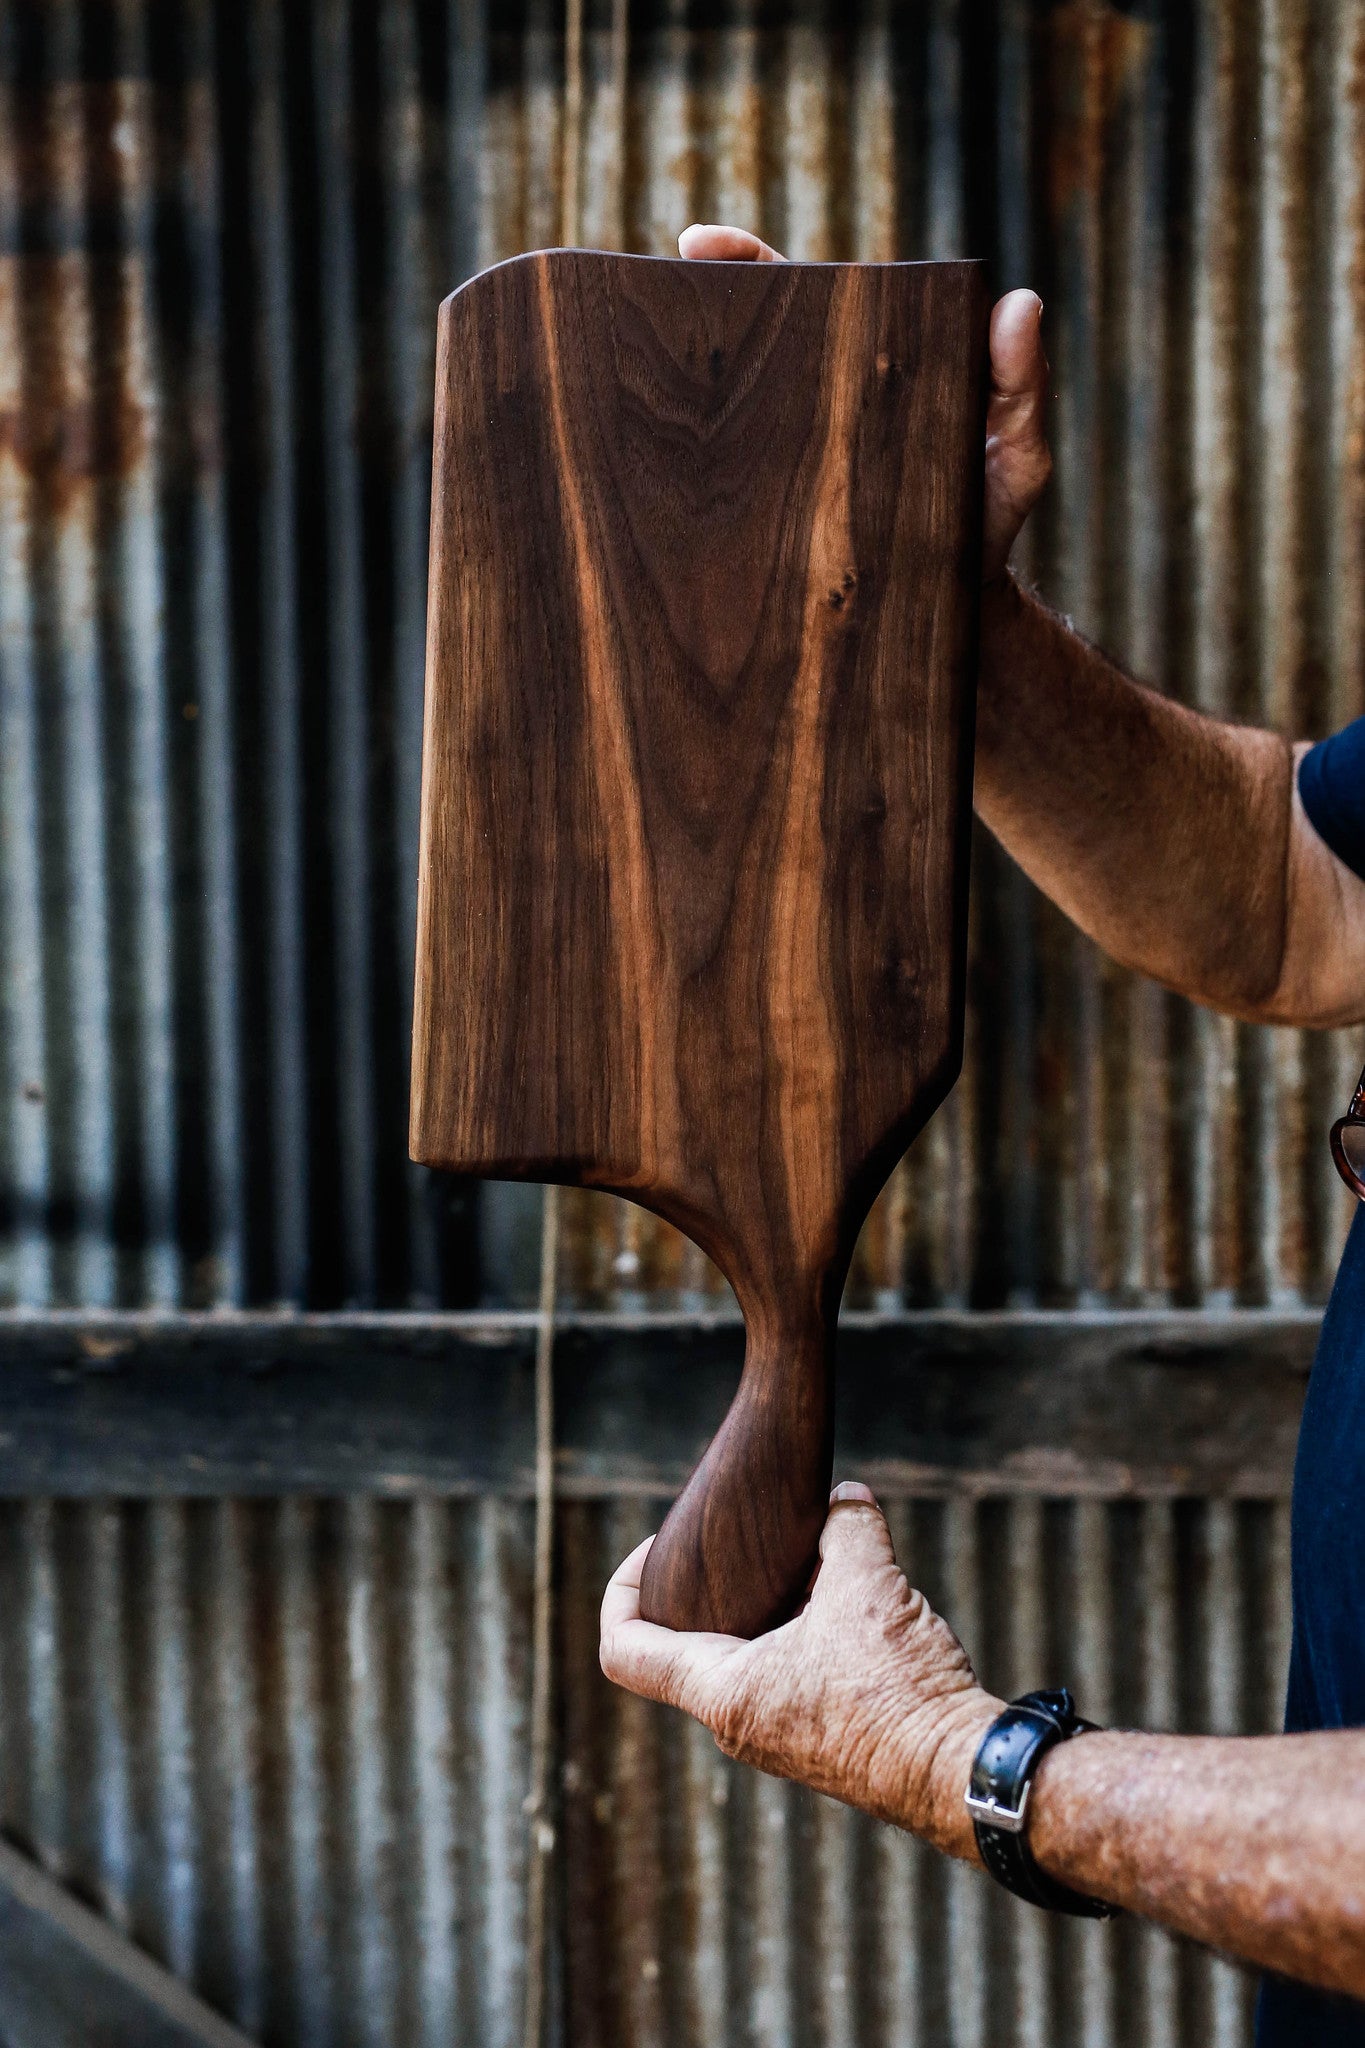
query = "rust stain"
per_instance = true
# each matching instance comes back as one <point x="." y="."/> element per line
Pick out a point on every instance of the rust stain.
<point x="1095" y="52"/>
<point x="71" y="414"/>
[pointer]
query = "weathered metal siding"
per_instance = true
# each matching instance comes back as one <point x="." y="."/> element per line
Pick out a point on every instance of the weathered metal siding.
<point x="223" y="234"/>
<point x="284" y="1745"/>
<point x="282" y="1748"/>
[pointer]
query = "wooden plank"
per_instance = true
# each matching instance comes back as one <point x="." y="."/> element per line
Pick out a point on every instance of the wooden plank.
<point x="696" y="791"/>
<point x="269" y="1405"/>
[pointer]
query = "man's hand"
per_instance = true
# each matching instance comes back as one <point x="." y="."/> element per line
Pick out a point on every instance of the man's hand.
<point x="1018" y="463"/>
<point x="1252" y="1844"/>
<point x="866" y="1695"/>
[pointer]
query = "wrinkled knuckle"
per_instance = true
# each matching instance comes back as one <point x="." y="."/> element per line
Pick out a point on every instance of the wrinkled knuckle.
<point x="731" y="1721"/>
<point x="913" y="1607"/>
<point x="729" y="1742"/>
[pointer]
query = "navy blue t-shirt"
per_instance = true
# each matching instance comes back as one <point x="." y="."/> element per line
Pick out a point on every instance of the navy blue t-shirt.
<point x="1327" y="1655"/>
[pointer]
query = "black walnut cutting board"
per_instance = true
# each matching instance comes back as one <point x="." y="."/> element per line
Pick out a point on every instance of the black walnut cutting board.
<point x="696" y="790"/>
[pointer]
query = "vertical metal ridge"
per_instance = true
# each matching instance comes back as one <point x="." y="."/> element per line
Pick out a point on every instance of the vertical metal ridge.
<point x="172" y="1816"/>
<point x="211" y="942"/>
<point x="944" y="225"/>
<point x="735" y="158"/>
<point x="26" y="1230"/>
<point x="1225" y="480"/>
<point x="1132" y="429"/>
<point x="127" y="397"/>
<point x="540" y="138"/>
<point x="100" y="1681"/>
<point x="1009" y="1213"/>
<point x="1072" y="1125"/>
<point x="764" y="1807"/>
<point x="874" y="236"/>
<point x="706" y="1988"/>
<point x="413" y="283"/>
<point x="282" y="1267"/>
<point x="40" y="1677"/>
<point x="830" y="1968"/>
<point x="497" y="1629"/>
<point x="364" y="1757"/>
<point x="349" y="737"/>
<point x="606" y="129"/>
<point x="811" y="196"/>
<point x="670" y="158"/>
<point x="640" y="1935"/>
<point x="58" y="371"/>
<point x="306" y="1874"/>
<point x="233" y="1972"/>
<point x="431" y="1730"/>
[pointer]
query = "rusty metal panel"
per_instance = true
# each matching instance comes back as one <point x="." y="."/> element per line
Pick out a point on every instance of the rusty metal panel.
<point x="283" y="1746"/>
<point x="222" y="242"/>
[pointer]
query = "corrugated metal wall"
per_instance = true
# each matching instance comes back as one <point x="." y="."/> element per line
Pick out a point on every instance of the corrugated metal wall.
<point x="284" y="1744"/>
<point x="223" y="234"/>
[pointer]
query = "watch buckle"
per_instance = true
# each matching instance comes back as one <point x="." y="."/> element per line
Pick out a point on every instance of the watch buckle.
<point x="989" y="1813"/>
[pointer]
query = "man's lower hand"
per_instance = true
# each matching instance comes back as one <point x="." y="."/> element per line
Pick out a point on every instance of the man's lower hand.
<point x="866" y="1694"/>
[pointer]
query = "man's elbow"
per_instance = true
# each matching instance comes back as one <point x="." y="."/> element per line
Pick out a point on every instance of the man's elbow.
<point x="1320" y="982"/>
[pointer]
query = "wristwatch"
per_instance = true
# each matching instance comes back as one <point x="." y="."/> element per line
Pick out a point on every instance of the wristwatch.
<point x="998" y="1796"/>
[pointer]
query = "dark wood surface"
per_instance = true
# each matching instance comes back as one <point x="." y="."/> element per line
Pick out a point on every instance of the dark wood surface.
<point x="696" y="787"/>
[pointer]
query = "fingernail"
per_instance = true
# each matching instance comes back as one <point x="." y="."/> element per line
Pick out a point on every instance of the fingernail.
<point x="852" y="1489"/>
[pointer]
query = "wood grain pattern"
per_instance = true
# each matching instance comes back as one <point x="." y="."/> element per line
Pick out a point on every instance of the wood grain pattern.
<point x="696" y="788"/>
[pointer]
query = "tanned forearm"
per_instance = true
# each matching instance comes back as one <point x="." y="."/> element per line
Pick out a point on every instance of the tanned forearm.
<point x="1162" y="834"/>
<point x="1254" y="1845"/>
<point x="1251" y="1844"/>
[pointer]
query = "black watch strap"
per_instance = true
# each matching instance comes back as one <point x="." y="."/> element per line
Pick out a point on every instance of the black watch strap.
<point x="997" y="1798"/>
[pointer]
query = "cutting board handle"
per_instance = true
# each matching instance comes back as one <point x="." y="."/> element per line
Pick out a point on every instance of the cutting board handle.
<point x="741" y="1541"/>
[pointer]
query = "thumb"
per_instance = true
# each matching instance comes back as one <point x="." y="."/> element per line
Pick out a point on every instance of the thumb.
<point x="855" y="1541"/>
<point x="1017" y="459"/>
<point x="702" y="242"/>
<point x="1018" y="362"/>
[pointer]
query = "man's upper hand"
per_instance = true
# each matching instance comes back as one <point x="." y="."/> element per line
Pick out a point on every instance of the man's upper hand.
<point x="1018" y="462"/>
<point x="866" y="1695"/>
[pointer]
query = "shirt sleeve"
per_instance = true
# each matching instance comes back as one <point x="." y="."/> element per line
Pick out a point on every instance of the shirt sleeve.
<point x="1332" y="790"/>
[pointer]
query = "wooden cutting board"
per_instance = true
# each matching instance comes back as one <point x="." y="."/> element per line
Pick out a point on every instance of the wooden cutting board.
<point x="696" y="792"/>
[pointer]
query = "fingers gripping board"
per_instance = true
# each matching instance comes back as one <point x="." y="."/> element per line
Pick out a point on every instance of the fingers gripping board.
<point x="696" y="790"/>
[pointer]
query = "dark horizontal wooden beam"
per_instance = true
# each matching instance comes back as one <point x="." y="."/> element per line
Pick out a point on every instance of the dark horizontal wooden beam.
<point x="1143" y="1404"/>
